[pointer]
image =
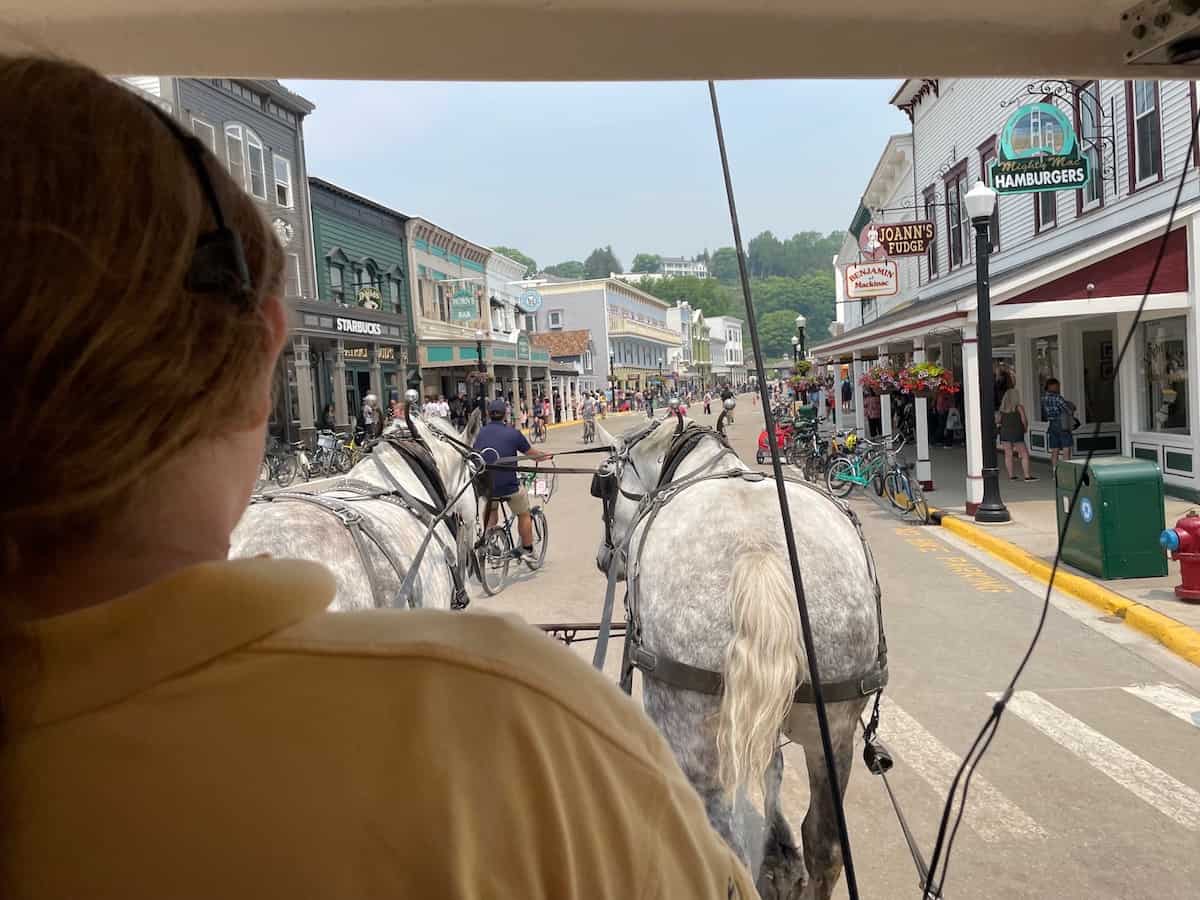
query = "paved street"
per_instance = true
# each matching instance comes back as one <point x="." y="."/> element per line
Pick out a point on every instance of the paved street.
<point x="1092" y="786"/>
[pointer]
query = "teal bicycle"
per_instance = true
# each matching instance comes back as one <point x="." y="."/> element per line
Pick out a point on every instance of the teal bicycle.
<point x="865" y="467"/>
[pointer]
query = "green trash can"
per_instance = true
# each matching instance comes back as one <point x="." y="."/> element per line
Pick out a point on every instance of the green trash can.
<point x="806" y="414"/>
<point x="1114" y="531"/>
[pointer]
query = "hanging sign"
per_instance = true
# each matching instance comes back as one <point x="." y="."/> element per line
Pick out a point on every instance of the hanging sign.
<point x="463" y="307"/>
<point x="905" y="238"/>
<point x="530" y="300"/>
<point x="872" y="279"/>
<point x="522" y="346"/>
<point x="370" y="297"/>
<point x="1038" y="152"/>
<point x="869" y="247"/>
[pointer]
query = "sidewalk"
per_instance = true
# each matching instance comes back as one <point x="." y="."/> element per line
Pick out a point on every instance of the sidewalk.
<point x="1034" y="529"/>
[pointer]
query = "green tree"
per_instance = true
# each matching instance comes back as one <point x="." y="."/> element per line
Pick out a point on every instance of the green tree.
<point x="775" y="332"/>
<point x="723" y="265"/>
<point x="707" y="294"/>
<point x="531" y="267"/>
<point x="572" y="268"/>
<point x="647" y="262"/>
<point x="601" y="263"/>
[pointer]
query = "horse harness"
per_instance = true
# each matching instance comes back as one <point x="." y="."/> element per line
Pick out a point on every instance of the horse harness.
<point x="606" y="485"/>
<point x="420" y="461"/>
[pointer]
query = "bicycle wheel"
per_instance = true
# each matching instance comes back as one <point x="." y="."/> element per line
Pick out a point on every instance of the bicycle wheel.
<point x="264" y="475"/>
<point x="811" y="468"/>
<point x="494" y="556"/>
<point x="896" y="489"/>
<point x="340" y="462"/>
<point x="837" y="477"/>
<point x="541" y="538"/>
<point x="286" y="473"/>
<point x="920" y="506"/>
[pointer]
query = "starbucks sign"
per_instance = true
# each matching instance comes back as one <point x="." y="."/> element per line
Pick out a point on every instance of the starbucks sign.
<point x="1038" y="152"/>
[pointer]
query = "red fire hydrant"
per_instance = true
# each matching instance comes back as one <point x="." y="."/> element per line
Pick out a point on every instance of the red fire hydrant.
<point x="1183" y="541"/>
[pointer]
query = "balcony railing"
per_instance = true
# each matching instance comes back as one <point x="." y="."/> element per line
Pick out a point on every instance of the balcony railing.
<point x="658" y="333"/>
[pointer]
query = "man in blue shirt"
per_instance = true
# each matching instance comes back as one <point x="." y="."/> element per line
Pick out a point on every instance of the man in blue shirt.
<point x="505" y="442"/>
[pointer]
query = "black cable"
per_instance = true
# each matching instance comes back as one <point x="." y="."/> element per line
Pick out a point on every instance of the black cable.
<point x="984" y="739"/>
<point x="781" y="489"/>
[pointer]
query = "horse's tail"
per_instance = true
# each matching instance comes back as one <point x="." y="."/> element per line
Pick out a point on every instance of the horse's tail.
<point x="763" y="664"/>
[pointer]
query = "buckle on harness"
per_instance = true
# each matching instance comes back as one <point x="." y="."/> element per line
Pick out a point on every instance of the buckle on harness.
<point x="643" y="659"/>
<point x="348" y="516"/>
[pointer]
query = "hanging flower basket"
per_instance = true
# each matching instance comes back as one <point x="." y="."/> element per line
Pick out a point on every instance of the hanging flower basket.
<point x="802" y="384"/>
<point x="881" y="380"/>
<point x="926" y="380"/>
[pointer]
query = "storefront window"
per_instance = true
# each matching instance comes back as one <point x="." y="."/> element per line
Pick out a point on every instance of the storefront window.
<point x="1099" y="390"/>
<point x="1165" y="345"/>
<point x="1044" y="353"/>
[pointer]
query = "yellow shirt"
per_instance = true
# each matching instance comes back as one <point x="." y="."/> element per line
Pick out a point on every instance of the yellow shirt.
<point x="217" y="734"/>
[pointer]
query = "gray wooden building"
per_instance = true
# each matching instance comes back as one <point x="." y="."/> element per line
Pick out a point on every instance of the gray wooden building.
<point x="255" y="127"/>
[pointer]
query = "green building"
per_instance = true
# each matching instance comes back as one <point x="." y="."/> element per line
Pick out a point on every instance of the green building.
<point x="355" y="337"/>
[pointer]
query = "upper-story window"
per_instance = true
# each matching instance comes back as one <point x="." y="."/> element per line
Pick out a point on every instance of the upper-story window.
<point x="235" y="153"/>
<point x="1087" y="128"/>
<point x="337" y="290"/>
<point x="1145" y="133"/>
<point x="394" y="294"/>
<point x="291" y="285"/>
<point x="244" y="153"/>
<point x="1045" y="210"/>
<point x="206" y="134"/>
<point x="530" y="322"/>
<point x="957" y="226"/>
<point x="554" y="318"/>
<point x="931" y="257"/>
<point x="255" y="166"/>
<point x="987" y="153"/>
<point x="283" y="180"/>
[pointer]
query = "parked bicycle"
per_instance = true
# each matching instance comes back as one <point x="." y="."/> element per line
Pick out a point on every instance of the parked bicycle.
<point x="865" y="467"/>
<point x="329" y="457"/>
<point x="280" y="465"/>
<point x="497" y="546"/>
<point x="903" y="490"/>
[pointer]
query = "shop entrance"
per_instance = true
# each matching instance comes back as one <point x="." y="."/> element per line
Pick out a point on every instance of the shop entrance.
<point x="358" y="385"/>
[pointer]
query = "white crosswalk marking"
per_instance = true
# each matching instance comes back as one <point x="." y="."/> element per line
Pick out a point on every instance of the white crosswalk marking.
<point x="1169" y="698"/>
<point x="1168" y="795"/>
<point x="989" y="814"/>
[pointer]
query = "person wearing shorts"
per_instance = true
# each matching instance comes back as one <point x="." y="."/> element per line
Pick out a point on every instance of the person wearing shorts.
<point x="497" y="440"/>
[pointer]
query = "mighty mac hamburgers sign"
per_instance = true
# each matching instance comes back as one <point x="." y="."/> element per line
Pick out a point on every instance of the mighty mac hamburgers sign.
<point x="1038" y="152"/>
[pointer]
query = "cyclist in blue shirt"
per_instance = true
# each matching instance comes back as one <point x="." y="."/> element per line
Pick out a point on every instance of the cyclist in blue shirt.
<point x="506" y="442"/>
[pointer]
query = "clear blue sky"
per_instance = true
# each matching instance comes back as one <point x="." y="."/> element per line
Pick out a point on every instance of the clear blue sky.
<point x="558" y="169"/>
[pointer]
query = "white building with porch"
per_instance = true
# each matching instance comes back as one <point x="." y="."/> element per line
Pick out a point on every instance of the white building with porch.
<point x="1068" y="268"/>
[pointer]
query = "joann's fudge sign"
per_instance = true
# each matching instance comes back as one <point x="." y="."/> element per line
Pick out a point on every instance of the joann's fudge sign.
<point x="905" y="238"/>
<point x="872" y="279"/>
<point x="1039" y="152"/>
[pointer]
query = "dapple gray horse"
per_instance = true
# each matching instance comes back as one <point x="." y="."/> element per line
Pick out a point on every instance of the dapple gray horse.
<point x="715" y="591"/>
<point x="294" y="529"/>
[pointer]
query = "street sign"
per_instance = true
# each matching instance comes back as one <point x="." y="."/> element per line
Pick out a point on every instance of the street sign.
<point x="1038" y="152"/>
<point x="872" y="279"/>
<point x="530" y="300"/>
<point x="463" y="306"/>
<point x="905" y="238"/>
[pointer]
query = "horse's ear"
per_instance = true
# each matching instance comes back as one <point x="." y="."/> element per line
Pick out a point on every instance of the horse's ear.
<point x="473" y="426"/>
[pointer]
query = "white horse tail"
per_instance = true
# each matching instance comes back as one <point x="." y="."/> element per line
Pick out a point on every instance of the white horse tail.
<point x="764" y="663"/>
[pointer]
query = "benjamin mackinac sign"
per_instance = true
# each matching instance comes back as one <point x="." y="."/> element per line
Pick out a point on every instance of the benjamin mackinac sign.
<point x="1039" y="152"/>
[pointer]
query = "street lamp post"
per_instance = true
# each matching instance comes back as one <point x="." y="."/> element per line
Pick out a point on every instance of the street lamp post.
<point x="482" y="370"/>
<point x="981" y="203"/>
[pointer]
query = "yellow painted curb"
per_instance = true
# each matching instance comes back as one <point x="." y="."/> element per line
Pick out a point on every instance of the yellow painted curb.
<point x="1177" y="637"/>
